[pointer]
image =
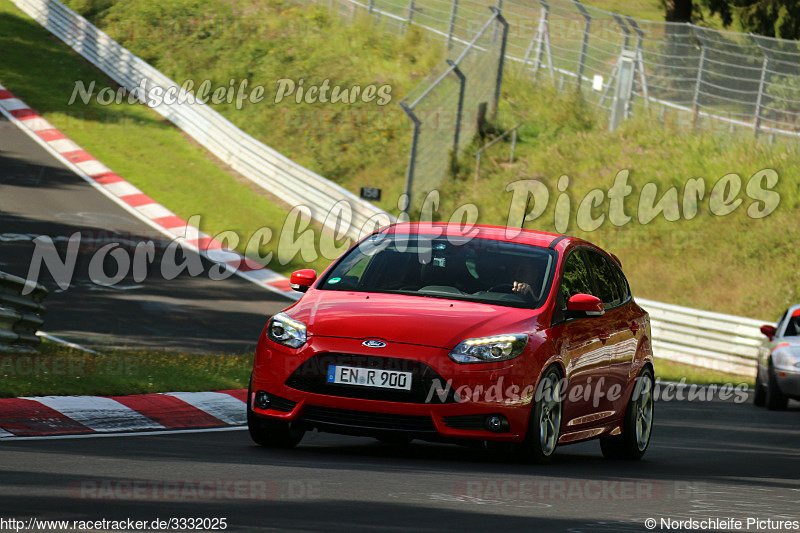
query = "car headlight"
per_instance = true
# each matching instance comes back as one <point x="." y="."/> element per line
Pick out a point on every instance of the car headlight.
<point x="489" y="349"/>
<point x="285" y="330"/>
<point x="783" y="358"/>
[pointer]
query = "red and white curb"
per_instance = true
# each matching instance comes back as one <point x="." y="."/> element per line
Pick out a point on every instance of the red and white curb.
<point x="134" y="200"/>
<point x="87" y="415"/>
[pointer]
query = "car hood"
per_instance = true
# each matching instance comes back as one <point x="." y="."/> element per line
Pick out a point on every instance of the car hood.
<point x="406" y="319"/>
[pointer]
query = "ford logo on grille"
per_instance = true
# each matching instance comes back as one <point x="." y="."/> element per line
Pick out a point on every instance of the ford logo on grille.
<point x="374" y="344"/>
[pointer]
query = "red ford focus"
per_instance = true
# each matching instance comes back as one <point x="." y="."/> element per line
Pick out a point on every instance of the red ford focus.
<point x="422" y="331"/>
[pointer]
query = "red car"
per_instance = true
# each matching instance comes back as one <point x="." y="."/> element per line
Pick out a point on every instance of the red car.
<point x="498" y="335"/>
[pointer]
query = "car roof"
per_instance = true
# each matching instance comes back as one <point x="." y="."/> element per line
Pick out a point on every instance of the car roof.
<point x="500" y="233"/>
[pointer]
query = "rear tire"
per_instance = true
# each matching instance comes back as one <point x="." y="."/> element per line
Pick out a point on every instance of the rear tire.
<point x="775" y="399"/>
<point x="759" y="393"/>
<point x="544" y="426"/>
<point x="638" y="423"/>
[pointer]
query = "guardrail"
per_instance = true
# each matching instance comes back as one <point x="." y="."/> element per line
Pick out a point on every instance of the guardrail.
<point x="20" y="316"/>
<point x="274" y="172"/>
<point x="717" y="341"/>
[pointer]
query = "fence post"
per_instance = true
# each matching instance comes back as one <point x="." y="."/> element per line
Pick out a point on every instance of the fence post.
<point x="501" y="60"/>
<point x="625" y="30"/>
<point x="696" y="96"/>
<point x="543" y="41"/>
<point x="412" y="158"/>
<point x="760" y="94"/>
<point x="513" y="146"/>
<point x="463" y="82"/>
<point x="640" y="59"/>
<point x="452" y="30"/>
<point x="494" y="30"/>
<point x="624" y="87"/>
<point x="411" y="8"/>
<point x="586" y="28"/>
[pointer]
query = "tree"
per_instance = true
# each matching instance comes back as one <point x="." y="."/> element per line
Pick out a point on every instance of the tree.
<point x="773" y="18"/>
<point x="678" y="10"/>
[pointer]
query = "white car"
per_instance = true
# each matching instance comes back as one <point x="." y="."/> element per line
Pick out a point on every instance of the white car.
<point x="778" y="374"/>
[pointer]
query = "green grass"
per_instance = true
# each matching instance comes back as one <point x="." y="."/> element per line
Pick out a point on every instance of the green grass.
<point x="59" y="370"/>
<point x="671" y="371"/>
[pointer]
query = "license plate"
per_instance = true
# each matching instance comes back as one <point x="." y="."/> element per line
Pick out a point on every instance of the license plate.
<point x="369" y="377"/>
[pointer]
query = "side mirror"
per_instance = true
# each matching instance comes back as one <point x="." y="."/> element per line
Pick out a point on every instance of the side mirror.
<point x="584" y="305"/>
<point x="769" y="331"/>
<point x="301" y="280"/>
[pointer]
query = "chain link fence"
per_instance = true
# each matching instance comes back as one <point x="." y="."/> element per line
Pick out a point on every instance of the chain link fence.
<point x="447" y="108"/>
<point x="700" y="77"/>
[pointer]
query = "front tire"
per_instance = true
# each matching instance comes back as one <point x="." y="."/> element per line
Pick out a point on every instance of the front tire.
<point x="272" y="433"/>
<point x="759" y="393"/>
<point x="775" y="399"/>
<point x="637" y="425"/>
<point x="544" y="427"/>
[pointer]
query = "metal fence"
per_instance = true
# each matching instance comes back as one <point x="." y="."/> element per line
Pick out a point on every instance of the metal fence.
<point x="703" y="78"/>
<point x="20" y="316"/>
<point x="448" y="106"/>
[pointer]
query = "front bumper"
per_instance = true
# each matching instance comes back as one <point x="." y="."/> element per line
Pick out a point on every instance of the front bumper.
<point x="504" y="389"/>
<point x="788" y="382"/>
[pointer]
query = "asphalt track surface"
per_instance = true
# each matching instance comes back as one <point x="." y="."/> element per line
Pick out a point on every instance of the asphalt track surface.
<point x="39" y="196"/>
<point x="706" y="460"/>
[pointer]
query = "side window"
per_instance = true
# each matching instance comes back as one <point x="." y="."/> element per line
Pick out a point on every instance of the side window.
<point x="605" y="279"/>
<point x="792" y="324"/>
<point x="780" y="322"/>
<point x="622" y="283"/>
<point x="575" y="278"/>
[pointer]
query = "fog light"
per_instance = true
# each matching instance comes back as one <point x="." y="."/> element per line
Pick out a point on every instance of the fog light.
<point x="262" y="400"/>
<point x="496" y="423"/>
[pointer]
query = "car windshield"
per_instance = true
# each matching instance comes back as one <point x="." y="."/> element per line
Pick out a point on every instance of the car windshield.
<point x="479" y="270"/>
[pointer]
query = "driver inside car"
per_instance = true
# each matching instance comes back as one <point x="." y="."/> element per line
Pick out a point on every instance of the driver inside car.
<point x="523" y="280"/>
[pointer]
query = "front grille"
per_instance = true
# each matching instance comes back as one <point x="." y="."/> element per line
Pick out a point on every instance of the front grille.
<point x="365" y="420"/>
<point x="469" y="422"/>
<point x="312" y="376"/>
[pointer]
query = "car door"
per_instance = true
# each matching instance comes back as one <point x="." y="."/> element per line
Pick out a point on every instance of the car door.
<point x="620" y="331"/>
<point x="581" y="345"/>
